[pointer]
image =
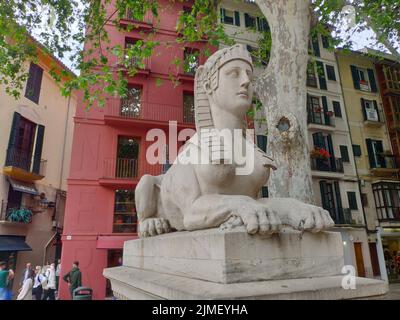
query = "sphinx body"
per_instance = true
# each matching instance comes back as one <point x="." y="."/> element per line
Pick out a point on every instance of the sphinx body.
<point x="193" y="195"/>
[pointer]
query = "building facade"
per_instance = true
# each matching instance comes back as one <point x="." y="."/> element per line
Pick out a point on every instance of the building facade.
<point x="35" y="139"/>
<point x="370" y="142"/>
<point x="110" y="146"/>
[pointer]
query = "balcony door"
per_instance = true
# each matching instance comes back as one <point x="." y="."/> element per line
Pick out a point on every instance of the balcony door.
<point x="325" y="142"/>
<point x="331" y="201"/>
<point x="127" y="158"/>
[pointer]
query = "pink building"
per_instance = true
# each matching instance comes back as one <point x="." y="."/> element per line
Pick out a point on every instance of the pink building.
<point x="109" y="149"/>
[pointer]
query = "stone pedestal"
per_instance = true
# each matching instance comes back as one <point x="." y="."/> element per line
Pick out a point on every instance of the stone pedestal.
<point x="210" y="264"/>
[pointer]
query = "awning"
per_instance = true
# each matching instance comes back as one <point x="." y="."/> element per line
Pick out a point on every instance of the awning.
<point x="13" y="243"/>
<point x="23" y="186"/>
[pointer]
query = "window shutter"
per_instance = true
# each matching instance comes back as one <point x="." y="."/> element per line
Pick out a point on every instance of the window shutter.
<point x="315" y="45"/>
<point x="325" y="42"/>
<point x="321" y="76"/>
<point x="34" y="83"/>
<point x="237" y="19"/>
<point x="38" y="149"/>
<point x="356" y="78"/>
<point x="246" y="20"/>
<point x="377" y="111"/>
<point x="325" y="108"/>
<point x="339" y="207"/>
<point x="380" y="156"/>
<point x="351" y="196"/>
<point x="318" y="140"/>
<point x="357" y="150"/>
<point x="344" y="153"/>
<point x="262" y="142"/>
<point x="222" y="15"/>
<point x="372" y="81"/>
<point x="330" y="70"/>
<point x="38" y="83"/>
<point x="324" y="192"/>
<point x="264" y="192"/>
<point x="12" y="138"/>
<point x="337" y="109"/>
<point x="370" y="150"/>
<point x="363" y="109"/>
<point x="331" y="151"/>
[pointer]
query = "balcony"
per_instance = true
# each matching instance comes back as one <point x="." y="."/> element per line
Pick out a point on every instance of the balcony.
<point x="17" y="215"/>
<point x="140" y="67"/>
<point x="120" y="172"/>
<point x="327" y="165"/>
<point x="146" y="114"/>
<point x="318" y="121"/>
<point x="343" y="217"/>
<point x="373" y="118"/>
<point x="389" y="169"/>
<point x="130" y="22"/>
<point x="392" y="81"/>
<point x="19" y="166"/>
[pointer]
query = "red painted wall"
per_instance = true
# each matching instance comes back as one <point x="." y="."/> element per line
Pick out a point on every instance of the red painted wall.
<point x="88" y="225"/>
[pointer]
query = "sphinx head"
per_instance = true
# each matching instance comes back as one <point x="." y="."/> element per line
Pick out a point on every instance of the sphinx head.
<point x="226" y="80"/>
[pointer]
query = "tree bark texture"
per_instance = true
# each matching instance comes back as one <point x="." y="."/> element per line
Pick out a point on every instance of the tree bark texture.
<point x="282" y="91"/>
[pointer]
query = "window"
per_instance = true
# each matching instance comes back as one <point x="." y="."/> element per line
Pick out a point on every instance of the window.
<point x="363" y="79"/>
<point x="331" y="201"/>
<point x="375" y="153"/>
<point x="264" y="192"/>
<point x="330" y="71"/>
<point x="249" y="21"/>
<point x="230" y="17"/>
<point x="387" y="200"/>
<point x="344" y="154"/>
<point x="262" y="142"/>
<point x="370" y="110"/>
<point x="188" y="107"/>
<point x="127" y="158"/>
<point x="321" y="75"/>
<point x="364" y="199"/>
<point x="135" y="45"/>
<point x="34" y="83"/>
<point x="314" y="110"/>
<point x="325" y="41"/>
<point x="311" y="77"/>
<point x="25" y="141"/>
<point x="314" y="46"/>
<point x="191" y="60"/>
<point x="255" y="55"/>
<point x="351" y="196"/>
<point x="131" y="105"/>
<point x="125" y="217"/>
<point x="262" y="25"/>
<point x="395" y="102"/>
<point x="337" y="109"/>
<point x="357" y="150"/>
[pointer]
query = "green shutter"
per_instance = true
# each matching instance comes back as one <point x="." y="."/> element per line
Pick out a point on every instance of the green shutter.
<point x="356" y="78"/>
<point x="377" y="111"/>
<point x="337" y="109"/>
<point x="351" y="196"/>
<point x="38" y="149"/>
<point x="370" y="150"/>
<point x="12" y="138"/>
<point x="380" y="156"/>
<point x="344" y="153"/>
<point x="357" y="150"/>
<point x="363" y="109"/>
<point x="321" y="75"/>
<point x="315" y="45"/>
<point x="325" y="108"/>
<point x="372" y="81"/>
<point x="331" y="151"/>
<point x="237" y="18"/>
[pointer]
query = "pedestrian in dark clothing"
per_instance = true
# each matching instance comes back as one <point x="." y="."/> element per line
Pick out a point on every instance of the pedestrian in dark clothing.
<point x="74" y="278"/>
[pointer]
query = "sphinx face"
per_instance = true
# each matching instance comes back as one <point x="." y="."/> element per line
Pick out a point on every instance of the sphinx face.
<point x="234" y="92"/>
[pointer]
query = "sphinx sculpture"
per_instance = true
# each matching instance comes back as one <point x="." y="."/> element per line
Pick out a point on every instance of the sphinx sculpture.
<point x="191" y="196"/>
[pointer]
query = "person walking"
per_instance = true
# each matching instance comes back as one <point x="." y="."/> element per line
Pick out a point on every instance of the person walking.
<point x="58" y="273"/>
<point x="50" y="288"/>
<point x="25" y="293"/>
<point x="5" y="277"/>
<point x="25" y="273"/>
<point x="37" y="289"/>
<point x="73" y="278"/>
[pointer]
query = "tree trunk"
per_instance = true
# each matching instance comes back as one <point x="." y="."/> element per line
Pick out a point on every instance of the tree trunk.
<point x="282" y="91"/>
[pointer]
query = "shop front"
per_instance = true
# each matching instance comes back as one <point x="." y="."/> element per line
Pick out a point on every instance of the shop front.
<point x="391" y="251"/>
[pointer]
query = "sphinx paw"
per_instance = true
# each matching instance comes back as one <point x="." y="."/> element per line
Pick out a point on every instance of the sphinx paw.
<point x="153" y="227"/>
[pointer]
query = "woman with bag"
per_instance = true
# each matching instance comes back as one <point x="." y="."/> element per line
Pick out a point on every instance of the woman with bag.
<point x="25" y="293"/>
<point x="37" y="290"/>
<point x="50" y="288"/>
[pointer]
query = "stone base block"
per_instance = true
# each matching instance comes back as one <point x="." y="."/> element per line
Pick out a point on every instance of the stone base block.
<point x="136" y="284"/>
<point x="235" y="256"/>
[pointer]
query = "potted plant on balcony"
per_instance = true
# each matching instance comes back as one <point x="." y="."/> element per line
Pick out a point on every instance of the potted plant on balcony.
<point x="318" y="110"/>
<point x="329" y="114"/>
<point x="19" y="215"/>
<point x="320" y="153"/>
